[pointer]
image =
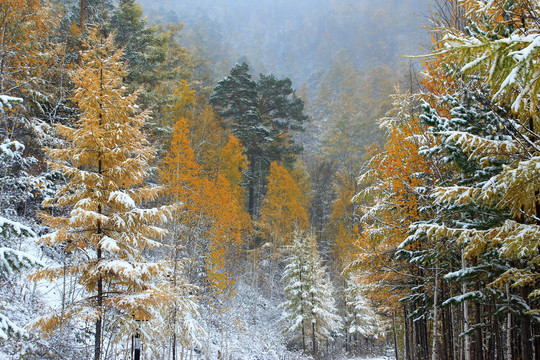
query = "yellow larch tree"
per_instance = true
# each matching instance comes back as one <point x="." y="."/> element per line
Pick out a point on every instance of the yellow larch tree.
<point x="211" y="224"/>
<point x="283" y="210"/>
<point x="25" y="26"/>
<point x="179" y="170"/>
<point x="105" y="233"/>
<point x="392" y="202"/>
<point x="233" y="164"/>
<point x="342" y="226"/>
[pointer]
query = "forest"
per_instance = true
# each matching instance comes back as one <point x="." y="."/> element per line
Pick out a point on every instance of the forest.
<point x="237" y="180"/>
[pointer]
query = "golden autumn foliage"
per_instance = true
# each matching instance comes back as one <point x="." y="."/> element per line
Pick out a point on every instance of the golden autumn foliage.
<point x="393" y="201"/>
<point x="233" y="164"/>
<point x="185" y="100"/>
<point x="283" y="210"/>
<point x="211" y="214"/>
<point x="25" y="27"/>
<point x="342" y="224"/>
<point x="104" y="234"/>
<point x="179" y="171"/>
<point x="207" y="136"/>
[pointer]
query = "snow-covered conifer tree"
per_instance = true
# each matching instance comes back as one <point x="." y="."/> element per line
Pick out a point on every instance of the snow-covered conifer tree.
<point x="360" y="319"/>
<point x="105" y="233"/>
<point x="309" y="310"/>
<point x="16" y="187"/>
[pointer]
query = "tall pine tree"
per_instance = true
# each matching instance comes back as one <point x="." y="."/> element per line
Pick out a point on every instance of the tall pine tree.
<point x="262" y="114"/>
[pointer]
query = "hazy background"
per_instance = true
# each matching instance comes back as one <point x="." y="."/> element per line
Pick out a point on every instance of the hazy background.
<point x="345" y="58"/>
<point x="300" y="39"/>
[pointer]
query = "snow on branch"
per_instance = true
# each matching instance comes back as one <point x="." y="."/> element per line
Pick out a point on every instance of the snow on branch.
<point x="12" y="228"/>
<point x="5" y="102"/>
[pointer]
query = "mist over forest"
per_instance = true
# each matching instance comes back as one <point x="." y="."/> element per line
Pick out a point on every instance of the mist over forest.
<point x="333" y="51"/>
<point x="298" y="39"/>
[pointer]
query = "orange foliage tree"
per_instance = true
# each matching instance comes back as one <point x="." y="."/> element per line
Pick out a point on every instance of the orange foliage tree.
<point x="25" y="26"/>
<point x="211" y="224"/>
<point x="342" y="227"/>
<point x="233" y="164"/>
<point x="393" y="189"/>
<point x="283" y="210"/>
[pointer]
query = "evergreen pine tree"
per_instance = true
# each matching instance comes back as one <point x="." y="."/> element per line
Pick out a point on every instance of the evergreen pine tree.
<point x="262" y="115"/>
<point x="236" y="97"/>
<point x="360" y="318"/>
<point x="17" y="188"/>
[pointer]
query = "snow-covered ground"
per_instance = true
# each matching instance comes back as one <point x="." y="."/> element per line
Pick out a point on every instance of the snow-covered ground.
<point x="250" y="330"/>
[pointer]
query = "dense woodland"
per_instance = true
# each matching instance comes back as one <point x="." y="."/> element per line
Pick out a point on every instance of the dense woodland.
<point x="174" y="187"/>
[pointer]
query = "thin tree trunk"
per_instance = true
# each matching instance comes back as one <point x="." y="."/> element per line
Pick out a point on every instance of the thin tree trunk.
<point x="251" y="200"/>
<point x="302" y="312"/>
<point x="313" y="337"/>
<point x="407" y="335"/>
<point x="97" y="337"/>
<point x="466" y="340"/>
<point x="434" y="347"/>
<point x="82" y="16"/>
<point x="175" y="274"/>
<point x="453" y="325"/>
<point x="447" y="332"/>
<point x="395" y="336"/>
<point x="313" y="340"/>
<point x="173" y="345"/>
<point x="82" y="19"/>
<point x="478" y="344"/>
<point x="526" y="344"/>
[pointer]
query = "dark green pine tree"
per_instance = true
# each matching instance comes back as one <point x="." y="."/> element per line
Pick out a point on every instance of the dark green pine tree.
<point x="235" y="97"/>
<point x="152" y="53"/>
<point x="281" y="111"/>
<point x="142" y="46"/>
<point x="262" y="115"/>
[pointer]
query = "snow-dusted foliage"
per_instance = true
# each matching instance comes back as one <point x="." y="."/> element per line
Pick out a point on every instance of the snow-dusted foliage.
<point x="5" y="102"/>
<point x="105" y="235"/>
<point x="12" y="261"/>
<point x="360" y="316"/>
<point x="309" y="311"/>
<point x="499" y="146"/>
<point x="506" y="51"/>
<point x="17" y="189"/>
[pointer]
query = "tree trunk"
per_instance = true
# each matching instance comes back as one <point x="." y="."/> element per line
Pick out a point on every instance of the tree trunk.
<point x="174" y="345"/>
<point x="395" y="336"/>
<point x="478" y="341"/>
<point x="434" y="347"/>
<point x="407" y="334"/>
<point x="251" y="204"/>
<point x="97" y="337"/>
<point x="175" y="271"/>
<point x="82" y="19"/>
<point x="466" y="340"/>
<point x="508" y="325"/>
<point x="302" y="312"/>
<point x="313" y="339"/>
<point x="447" y="327"/>
<point x="526" y="344"/>
<point x="251" y="196"/>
